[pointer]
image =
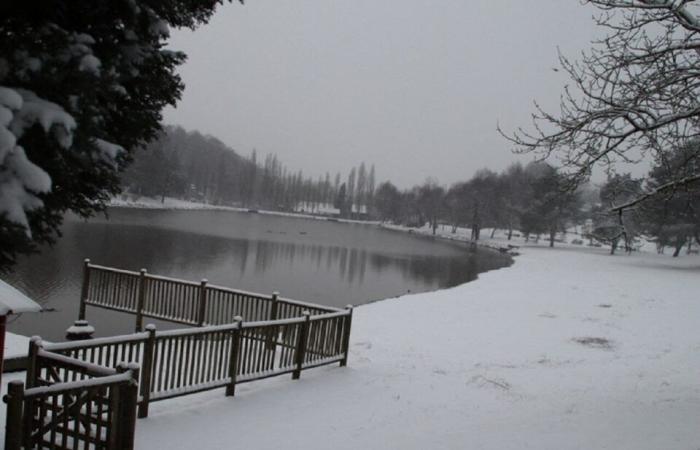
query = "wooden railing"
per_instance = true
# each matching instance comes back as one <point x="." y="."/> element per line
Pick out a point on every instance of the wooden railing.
<point x="71" y="404"/>
<point x="186" y="361"/>
<point x="181" y="301"/>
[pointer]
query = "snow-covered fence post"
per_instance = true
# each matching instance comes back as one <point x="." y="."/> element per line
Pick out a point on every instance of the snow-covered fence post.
<point x="32" y="363"/>
<point x="147" y="370"/>
<point x="202" y="311"/>
<point x="272" y="336"/>
<point x="141" y="300"/>
<point x="124" y="412"/>
<point x="346" y="336"/>
<point x="13" y="421"/>
<point x="233" y="355"/>
<point x="85" y="289"/>
<point x="301" y="345"/>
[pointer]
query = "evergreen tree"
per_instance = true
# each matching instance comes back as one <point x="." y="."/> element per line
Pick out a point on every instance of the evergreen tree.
<point x="82" y="85"/>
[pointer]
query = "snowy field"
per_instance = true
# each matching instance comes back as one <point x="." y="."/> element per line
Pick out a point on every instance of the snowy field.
<point x="569" y="348"/>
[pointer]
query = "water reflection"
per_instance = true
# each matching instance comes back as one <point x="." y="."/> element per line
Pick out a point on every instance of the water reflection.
<point x="318" y="261"/>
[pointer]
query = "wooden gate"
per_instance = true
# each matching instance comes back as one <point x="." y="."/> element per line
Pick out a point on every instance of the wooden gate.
<point x="71" y="404"/>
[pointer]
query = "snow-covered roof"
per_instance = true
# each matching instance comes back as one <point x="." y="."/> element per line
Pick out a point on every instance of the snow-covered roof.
<point x="13" y="301"/>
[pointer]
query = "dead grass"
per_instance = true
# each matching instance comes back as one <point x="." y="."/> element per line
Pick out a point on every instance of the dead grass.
<point x="594" y="342"/>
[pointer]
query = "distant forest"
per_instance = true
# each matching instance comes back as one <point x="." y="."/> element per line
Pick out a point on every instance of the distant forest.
<point x="192" y="166"/>
<point x="535" y="199"/>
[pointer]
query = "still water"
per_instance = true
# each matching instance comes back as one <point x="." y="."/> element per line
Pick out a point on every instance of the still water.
<point x="313" y="260"/>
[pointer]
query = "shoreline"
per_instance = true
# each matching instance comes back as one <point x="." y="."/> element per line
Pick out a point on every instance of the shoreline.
<point x="184" y="205"/>
<point x="570" y="348"/>
<point x="478" y="369"/>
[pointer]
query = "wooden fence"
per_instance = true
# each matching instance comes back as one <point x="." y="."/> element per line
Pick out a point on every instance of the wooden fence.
<point x="186" y="361"/>
<point x="181" y="301"/>
<point x="85" y="394"/>
<point x="71" y="404"/>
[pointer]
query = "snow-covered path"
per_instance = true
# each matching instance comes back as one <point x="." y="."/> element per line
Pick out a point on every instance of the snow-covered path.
<point x="492" y="364"/>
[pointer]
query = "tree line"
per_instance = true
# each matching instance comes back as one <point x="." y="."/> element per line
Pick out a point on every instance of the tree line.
<point x="671" y="219"/>
<point x="532" y="199"/>
<point x="538" y="199"/>
<point x="189" y="165"/>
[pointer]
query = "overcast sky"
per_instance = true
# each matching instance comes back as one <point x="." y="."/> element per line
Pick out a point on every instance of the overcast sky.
<point x="415" y="87"/>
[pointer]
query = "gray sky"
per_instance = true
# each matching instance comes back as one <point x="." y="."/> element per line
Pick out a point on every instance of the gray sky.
<point x="415" y="87"/>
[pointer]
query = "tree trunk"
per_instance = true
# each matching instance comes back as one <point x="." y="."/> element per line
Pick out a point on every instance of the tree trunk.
<point x="677" y="251"/>
<point x="493" y="232"/>
<point x="510" y="232"/>
<point x="552" y="234"/>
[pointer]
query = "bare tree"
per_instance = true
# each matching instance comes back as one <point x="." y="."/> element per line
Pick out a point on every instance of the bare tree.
<point x="635" y="94"/>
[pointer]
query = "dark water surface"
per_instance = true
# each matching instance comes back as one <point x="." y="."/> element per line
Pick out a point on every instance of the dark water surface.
<point x="314" y="260"/>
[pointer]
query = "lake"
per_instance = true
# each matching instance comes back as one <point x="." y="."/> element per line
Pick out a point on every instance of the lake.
<point x="321" y="261"/>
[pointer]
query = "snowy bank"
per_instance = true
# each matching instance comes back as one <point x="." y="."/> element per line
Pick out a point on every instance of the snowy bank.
<point x="567" y="349"/>
<point x="170" y="203"/>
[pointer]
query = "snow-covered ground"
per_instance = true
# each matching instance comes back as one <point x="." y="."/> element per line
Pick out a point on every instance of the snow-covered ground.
<point x="569" y="348"/>
<point x="174" y="203"/>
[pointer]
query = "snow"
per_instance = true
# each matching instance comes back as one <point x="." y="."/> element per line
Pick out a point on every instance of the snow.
<point x="109" y="152"/>
<point x="10" y="99"/>
<point x="20" y="179"/>
<point x="48" y="114"/>
<point x="16" y="346"/>
<point x="81" y="384"/>
<point x="90" y="63"/>
<point x="12" y="301"/>
<point x="80" y="329"/>
<point x="569" y="348"/>
<point x="178" y="204"/>
<point x="160" y="28"/>
<point x="492" y="364"/>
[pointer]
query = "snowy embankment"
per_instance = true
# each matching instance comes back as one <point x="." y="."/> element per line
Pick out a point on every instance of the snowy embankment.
<point x="169" y="203"/>
<point x="567" y="349"/>
<point x="498" y="242"/>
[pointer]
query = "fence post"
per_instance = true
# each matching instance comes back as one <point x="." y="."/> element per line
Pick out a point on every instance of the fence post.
<point x="32" y="364"/>
<point x="202" y="302"/>
<point x="85" y="289"/>
<point x="301" y="345"/>
<point x="27" y="407"/>
<point x="13" y="422"/>
<point x="273" y="305"/>
<point x="147" y="371"/>
<point x="233" y="356"/>
<point x="346" y="337"/>
<point x="272" y="336"/>
<point x="126" y="408"/>
<point x="141" y="300"/>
